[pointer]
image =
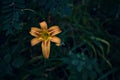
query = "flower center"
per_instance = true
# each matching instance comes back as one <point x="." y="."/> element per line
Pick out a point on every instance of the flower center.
<point x="45" y="35"/>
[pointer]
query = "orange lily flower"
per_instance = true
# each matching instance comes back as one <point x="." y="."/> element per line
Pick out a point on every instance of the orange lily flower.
<point x="45" y="36"/>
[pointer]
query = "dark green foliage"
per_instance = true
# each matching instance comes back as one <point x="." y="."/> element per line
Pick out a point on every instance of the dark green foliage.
<point x="80" y="63"/>
<point x="11" y="10"/>
<point x="90" y="40"/>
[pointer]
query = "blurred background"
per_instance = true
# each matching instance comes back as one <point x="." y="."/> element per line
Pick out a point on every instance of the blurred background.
<point x="90" y="48"/>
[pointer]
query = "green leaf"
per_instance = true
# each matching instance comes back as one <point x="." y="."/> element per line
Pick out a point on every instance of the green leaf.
<point x="18" y="62"/>
<point x="106" y="74"/>
<point x="79" y="68"/>
<point x="75" y="61"/>
<point x="7" y="58"/>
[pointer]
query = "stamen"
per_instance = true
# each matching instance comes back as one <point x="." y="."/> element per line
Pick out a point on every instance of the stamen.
<point x="45" y="35"/>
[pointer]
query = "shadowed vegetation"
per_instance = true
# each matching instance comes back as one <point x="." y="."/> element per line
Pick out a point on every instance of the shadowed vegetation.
<point x="90" y="47"/>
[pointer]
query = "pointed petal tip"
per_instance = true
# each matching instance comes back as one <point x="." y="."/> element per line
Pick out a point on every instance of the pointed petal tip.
<point x="35" y="31"/>
<point x="35" y="41"/>
<point x="46" y="57"/>
<point x="43" y="24"/>
<point x="56" y="40"/>
<point x="58" y="44"/>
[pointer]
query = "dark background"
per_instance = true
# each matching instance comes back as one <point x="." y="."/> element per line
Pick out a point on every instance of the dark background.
<point x="90" y="48"/>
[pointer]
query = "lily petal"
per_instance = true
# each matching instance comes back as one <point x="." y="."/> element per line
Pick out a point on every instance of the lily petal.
<point x="46" y="48"/>
<point x="54" y="30"/>
<point x="35" y="31"/>
<point x="43" y="25"/>
<point x="35" y="41"/>
<point x="56" y="40"/>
